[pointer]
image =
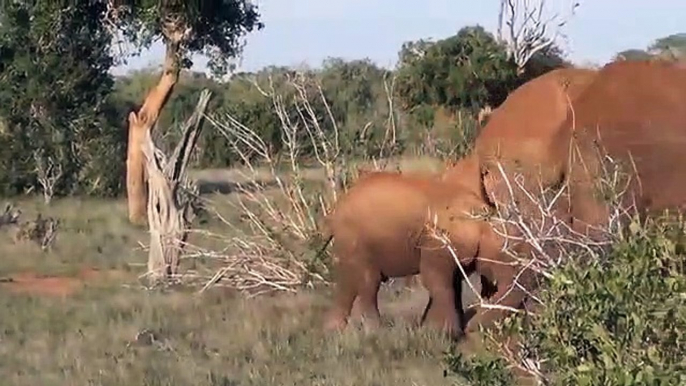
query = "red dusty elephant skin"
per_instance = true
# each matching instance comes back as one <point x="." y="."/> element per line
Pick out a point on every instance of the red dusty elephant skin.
<point x="633" y="112"/>
<point x="376" y="226"/>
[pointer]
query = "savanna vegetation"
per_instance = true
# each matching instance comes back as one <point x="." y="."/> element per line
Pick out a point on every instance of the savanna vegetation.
<point x="277" y="148"/>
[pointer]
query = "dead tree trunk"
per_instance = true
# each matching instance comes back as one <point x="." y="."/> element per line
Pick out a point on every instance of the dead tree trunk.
<point x="140" y="123"/>
<point x="169" y="198"/>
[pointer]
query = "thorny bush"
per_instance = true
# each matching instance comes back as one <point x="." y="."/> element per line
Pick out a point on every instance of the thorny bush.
<point x="619" y="320"/>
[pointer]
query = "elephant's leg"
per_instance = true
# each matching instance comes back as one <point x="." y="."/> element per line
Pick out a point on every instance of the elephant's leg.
<point x="508" y="294"/>
<point x="438" y="276"/>
<point x="346" y="291"/>
<point x="488" y="288"/>
<point x="369" y="282"/>
<point x="587" y="213"/>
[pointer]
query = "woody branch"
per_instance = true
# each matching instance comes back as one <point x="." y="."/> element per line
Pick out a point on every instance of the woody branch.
<point x="528" y="29"/>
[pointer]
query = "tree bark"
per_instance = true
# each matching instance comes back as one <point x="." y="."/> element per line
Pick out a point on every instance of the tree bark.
<point x="169" y="203"/>
<point x="139" y="124"/>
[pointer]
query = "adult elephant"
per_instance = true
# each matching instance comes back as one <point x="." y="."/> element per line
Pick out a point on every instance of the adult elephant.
<point x="528" y="122"/>
<point x="377" y="225"/>
<point x="631" y="112"/>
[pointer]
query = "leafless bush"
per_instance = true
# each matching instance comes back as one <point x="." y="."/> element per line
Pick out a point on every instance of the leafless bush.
<point x="280" y="220"/>
<point x="529" y="31"/>
<point x="277" y="244"/>
<point x="10" y="216"/>
<point x="41" y="231"/>
<point x="49" y="173"/>
<point x="551" y="240"/>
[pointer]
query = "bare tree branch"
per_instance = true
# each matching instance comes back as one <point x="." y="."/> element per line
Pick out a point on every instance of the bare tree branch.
<point x="529" y="31"/>
<point x="48" y="172"/>
<point x="10" y="216"/>
<point x="281" y="221"/>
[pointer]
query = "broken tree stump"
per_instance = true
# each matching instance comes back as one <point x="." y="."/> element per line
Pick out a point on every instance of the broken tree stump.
<point x="170" y="197"/>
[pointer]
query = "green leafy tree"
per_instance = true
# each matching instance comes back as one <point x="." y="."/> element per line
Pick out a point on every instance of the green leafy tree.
<point x="357" y="91"/>
<point x="674" y="44"/>
<point x="465" y="71"/>
<point x="670" y="47"/>
<point x="54" y="82"/>
<point x="210" y="27"/>
<point x="355" y="101"/>
<point x="632" y="54"/>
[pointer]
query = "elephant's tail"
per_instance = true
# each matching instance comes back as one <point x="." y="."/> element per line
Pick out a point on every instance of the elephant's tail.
<point x="326" y="231"/>
<point x="321" y="250"/>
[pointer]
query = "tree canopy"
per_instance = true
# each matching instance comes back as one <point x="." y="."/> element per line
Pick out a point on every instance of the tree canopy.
<point x="670" y="47"/>
<point x="54" y="86"/>
<point x="468" y="70"/>
<point x="210" y="27"/>
<point x="675" y="43"/>
<point x="58" y="108"/>
<point x="66" y="49"/>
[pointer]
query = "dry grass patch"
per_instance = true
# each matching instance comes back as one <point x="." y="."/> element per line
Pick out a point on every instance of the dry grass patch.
<point x="114" y="332"/>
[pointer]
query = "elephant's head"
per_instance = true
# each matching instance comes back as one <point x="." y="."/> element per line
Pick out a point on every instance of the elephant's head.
<point x="459" y="221"/>
<point x="484" y="195"/>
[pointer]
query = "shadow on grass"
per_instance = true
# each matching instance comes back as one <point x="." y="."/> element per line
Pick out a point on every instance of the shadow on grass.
<point x="229" y="187"/>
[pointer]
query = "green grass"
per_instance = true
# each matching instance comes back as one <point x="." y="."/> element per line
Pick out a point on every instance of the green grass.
<point x="217" y="338"/>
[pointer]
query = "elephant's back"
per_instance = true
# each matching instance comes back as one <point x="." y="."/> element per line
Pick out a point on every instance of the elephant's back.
<point x="636" y="110"/>
<point x="524" y="127"/>
<point x="383" y="207"/>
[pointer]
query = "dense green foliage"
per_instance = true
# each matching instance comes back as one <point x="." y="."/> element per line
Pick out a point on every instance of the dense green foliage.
<point x="671" y="47"/>
<point x="59" y="117"/>
<point x="54" y="86"/>
<point x="214" y="26"/>
<point x="466" y="71"/>
<point x="620" y="320"/>
<point x="430" y="102"/>
<point x="58" y="96"/>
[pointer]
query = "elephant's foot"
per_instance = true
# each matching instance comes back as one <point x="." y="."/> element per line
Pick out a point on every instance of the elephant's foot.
<point x="371" y="323"/>
<point x="485" y="319"/>
<point x="469" y="344"/>
<point x="449" y="330"/>
<point x="443" y="320"/>
<point x="482" y="317"/>
<point x="334" y="321"/>
<point x="453" y="331"/>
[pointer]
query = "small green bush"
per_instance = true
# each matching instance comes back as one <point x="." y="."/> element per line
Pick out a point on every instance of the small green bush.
<point x="481" y="370"/>
<point x="619" y="320"/>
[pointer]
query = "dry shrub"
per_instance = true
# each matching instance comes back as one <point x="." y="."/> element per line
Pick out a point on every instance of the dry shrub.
<point x="10" y="216"/>
<point x="277" y="243"/>
<point x="41" y="231"/>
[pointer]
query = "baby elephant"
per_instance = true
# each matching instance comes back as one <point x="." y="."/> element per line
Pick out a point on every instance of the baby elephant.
<point x="377" y="227"/>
